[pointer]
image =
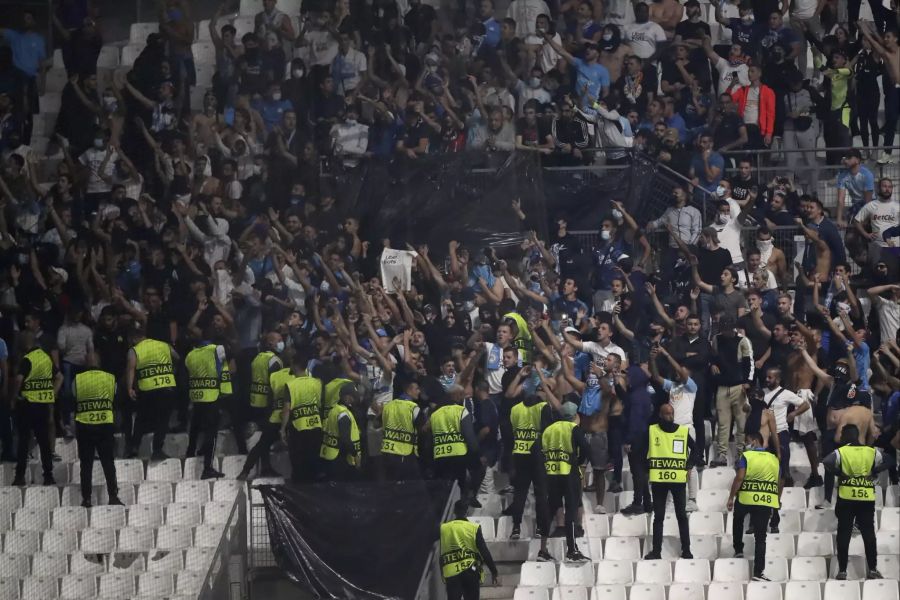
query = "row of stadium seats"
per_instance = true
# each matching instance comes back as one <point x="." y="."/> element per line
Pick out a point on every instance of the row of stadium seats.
<point x="190" y="512"/>
<point x="60" y="564"/>
<point x="102" y="541"/>
<point x="112" y="586"/>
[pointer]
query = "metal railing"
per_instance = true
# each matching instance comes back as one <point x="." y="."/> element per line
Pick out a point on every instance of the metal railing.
<point x="230" y="554"/>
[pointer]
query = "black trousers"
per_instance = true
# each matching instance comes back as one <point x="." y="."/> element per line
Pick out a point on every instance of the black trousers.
<point x="304" y="448"/>
<point x="661" y="492"/>
<point x="34" y="418"/>
<point x="454" y="468"/>
<point x="759" y="520"/>
<point x="563" y="490"/>
<point x="400" y="468"/>
<point x="339" y="470"/>
<point x="641" y="479"/>
<point x="99" y="440"/>
<point x="863" y="513"/>
<point x="261" y="451"/>
<point x="529" y="469"/>
<point x="154" y="408"/>
<point x="465" y="586"/>
<point x="205" y="422"/>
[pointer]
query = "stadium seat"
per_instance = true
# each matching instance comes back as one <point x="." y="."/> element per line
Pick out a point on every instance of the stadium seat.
<point x="720" y="590"/>
<point x="619" y="548"/>
<point x="156" y="584"/>
<point x="225" y="490"/>
<point x="22" y="542"/>
<point x="595" y="549"/>
<point x="686" y="591"/>
<point x="487" y="526"/>
<point x="538" y="574"/>
<point x="889" y="565"/>
<point x="40" y="587"/>
<point x="218" y="512"/>
<point x="135" y="539"/>
<point x="86" y="564"/>
<point x="78" y="587"/>
<point x="805" y="590"/>
<point x="56" y="541"/>
<point x="155" y="492"/>
<point x="596" y="526"/>
<point x="892" y="496"/>
<point x="166" y="562"/>
<point x="204" y="53"/>
<point x="185" y="513"/>
<point x="31" y="519"/>
<point x="208" y="536"/>
<point x="98" y="541"/>
<point x="111" y="516"/>
<point x="841" y="590"/>
<point x="198" y="559"/>
<point x="9" y="588"/>
<point x="706" y="523"/>
<point x="189" y="583"/>
<point x="173" y="537"/>
<point x="647" y="592"/>
<point x="243" y="24"/>
<point x="780" y="545"/>
<point x="776" y="569"/>
<point x="130" y="470"/>
<point x="888" y="542"/>
<point x="505" y="524"/>
<point x="10" y="499"/>
<point x="712" y="500"/>
<point x="628" y="526"/>
<point x="139" y="31"/>
<point x="814" y="544"/>
<point x="569" y="592"/>
<point x="14" y="565"/>
<point x="50" y="103"/>
<point x="145" y="515"/>
<point x="880" y="589"/>
<point x="653" y="572"/>
<point x="691" y="571"/>
<point x="890" y="519"/>
<point x="718" y="478"/>
<point x="808" y="569"/>
<point x="44" y="497"/>
<point x="127" y="562"/>
<point x="763" y="590"/>
<point x="69" y="517"/>
<point x="793" y="498"/>
<point x="249" y="7"/>
<point x="819" y="521"/>
<point x="615" y="572"/>
<point x="116" y="585"/>
<point x="730" y="570"/>
<point x="130" y="53"/>
<point x="164" y="470"/>
<point x="109" y="57"/>
<point x="576" y="574"/>
<point x="193" y="465"/>
<point x="44" y="564"/>
<point x="55" y="80"/>
<point x="232" y="465"/>
<point x="531" y="593"/>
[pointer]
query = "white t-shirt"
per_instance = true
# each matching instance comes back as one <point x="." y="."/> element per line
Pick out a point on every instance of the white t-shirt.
<point x="643" y="38"/>
<point x="599" y="353"/>
<point x="726" y="74"/>
<point x="751" y="110"/>
<point x="348" y="70"/>
<point x="888" y="317"/>
<point x="549" y="57"/>
<point x="779" y="406"/>
<point x="92" y="158"/>
<point x="321" y="48"/>
<point x="803" y="9"/>
<point x="682" y="397"/>
<point x="493" y="367"/>
<point x="525" y="13"/>
<point x="730" y="232"/>
<point x="881" y="217"/>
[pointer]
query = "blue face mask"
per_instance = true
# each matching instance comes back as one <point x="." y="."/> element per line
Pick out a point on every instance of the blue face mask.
<point x="174" y="14"/>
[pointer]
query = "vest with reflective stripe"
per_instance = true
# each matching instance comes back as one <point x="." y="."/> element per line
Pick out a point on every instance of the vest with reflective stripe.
<point x="332" y="394"/>
<point x="260" y="387"/>
<point x="154" y="365"/>
<point x="526" y="425"/>
<point x="668" y="454"/>
<point x="94" y="394"/>
<point x="556" y="444"/>
<point x="330" y="433"/>
<point x="459" y="548"/>
<point x="305" y="394"/>
<point x="855" y="481"/>
<point x="399" y="431"/>
<point x="279" y="380"/>
<point x="523" y="341"/>
<point x="760" y="485"/>
<point x="204" y="382"/>
<point x="38" y="384"/>
<point x="225" y="387"/>
<point x="447" y="433"/>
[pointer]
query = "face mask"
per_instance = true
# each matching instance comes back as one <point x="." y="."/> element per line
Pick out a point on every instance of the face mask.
<point x="605" y="235"/>
<point x="617" y="214"/>
<point x="431" y="68"/>
<point x="721" y="219"/>
<point x="747" y="19"/>
<point x="297" y="199"/>
<point x="98" y="143"/>
<point x="607" y="36"/>
<point x="721" y="191"/>
<point x="297" y="73"/>
<point x="764" y="245"/>
<point x="279" y="347"/>
<point x="351" y="121"/>
<point x="534" y="82"/>
<point x="276" y="96"/>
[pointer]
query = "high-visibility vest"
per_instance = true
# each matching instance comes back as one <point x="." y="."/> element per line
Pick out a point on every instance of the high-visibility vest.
<point x="447" y="432"/>
<point x="760" y="484"/>
<point x="556" y="444"/>
<point x="400" y="436"/>
<point x="94" y="394"/>
<point x="522" y="342"/>
<point x="668" y="454"/>
<point x="225" y="388"/>
<point x="204" y="382"/>
<point x="459" y="548"/>
<point x="279" y="380"/>
<point x="305" y="394"/>
<point x="154" y="365"/>
<point x="526" y="425"/>
<point x="330" y="439"/>
<point x="260" y="388"/>
<point x="855" y="481"/>
<point x="38" y="384"/>
<point x="333" y="394"/>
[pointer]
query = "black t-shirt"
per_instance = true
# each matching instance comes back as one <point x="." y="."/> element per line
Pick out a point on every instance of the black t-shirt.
<point x="112" y="347"/>
<point x="532" y="134"/>
<point x="740" y="187"/>
<point x="759" y="341"/>
<point x="694" y="31"/>
<point x="712" y="263"/>
<point x="728" y="130"/>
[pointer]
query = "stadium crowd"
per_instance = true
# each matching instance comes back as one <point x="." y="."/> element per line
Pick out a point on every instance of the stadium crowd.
<point x="203" y="258"/>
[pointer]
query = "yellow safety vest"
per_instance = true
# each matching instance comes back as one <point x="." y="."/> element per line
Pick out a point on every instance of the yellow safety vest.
<point x="668" y="455"/>
<point x="760" y="485"/>
<point x="154" y="365"/>
<point x="526" y="424"/>
<point x="459" y="548"/>
<point x="305" y="394"/>
<point x="225" y="388"/>
<point x="445" y="427"/>
<point x="94" y="394"/>
<point x="400" y="436"/>
<point x="556" y="444"/>
<point x="855" y="481"/>
<point x="204" y="381"/>
<point x="260" y="387"/>
<point x="523" y="341"/>
<point x="279" y="381"/>
<point x="329" y="450"/>
<point x="38" y="384"/>
<point x="333" y="394"/>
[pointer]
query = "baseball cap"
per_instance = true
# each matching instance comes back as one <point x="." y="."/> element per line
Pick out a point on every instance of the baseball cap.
<point x="568" y="410"/>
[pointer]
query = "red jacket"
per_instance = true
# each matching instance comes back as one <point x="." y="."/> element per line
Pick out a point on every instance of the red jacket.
<point x="766" y="107"/>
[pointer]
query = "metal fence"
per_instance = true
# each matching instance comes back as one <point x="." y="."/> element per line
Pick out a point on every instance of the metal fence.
<point x="260" y="546"/>
<point x="226" y="576"/>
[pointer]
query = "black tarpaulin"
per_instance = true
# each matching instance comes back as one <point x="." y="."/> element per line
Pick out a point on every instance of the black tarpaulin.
<point x="355" y="541"/>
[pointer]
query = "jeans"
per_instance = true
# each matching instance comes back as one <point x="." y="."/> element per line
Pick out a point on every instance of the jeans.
<point x="730" y="401"/>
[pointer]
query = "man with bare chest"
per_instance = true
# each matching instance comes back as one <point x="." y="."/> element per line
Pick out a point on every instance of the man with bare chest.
<point x="667" y="13"/>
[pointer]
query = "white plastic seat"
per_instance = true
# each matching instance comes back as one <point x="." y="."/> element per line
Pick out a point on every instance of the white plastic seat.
<point x="703" y="547"/>
<point x="608" y="592"/>
<point x="40" y="587"/>
<point x="96" y="472"/>
<point x="31" y="519"/>
<point x="193" y="465"/>
<point x="249" y="7"/>
<point x="198" y="559"/>
<point x="619" y="548"/>
<point x="731" y="570"/>
<point x="70" y="517"/>
<point x="888" y="542"/>
<point x="706" y="523"/>
<point x="841" y="590"/>
<point x="719" y="478"/>
<point x="21" y="542"/>
<point x="57" y="540"/>
<point x="110" y="516"/>
<point x="487" y="526"/>
<point x="880" y="589"/>
<point x="569" y="592"/>
<point x="130" y="54"/>
<point x="164" y="470"/>
<point x="192" y="491"/>
<point x="776" y="569"/>
<point x="116" y="586"/>
<point x="780" y="545"/>
<point x="807" y="590"/>
<point x="44" y="564"/>
<point x="183" y="513"/>
<point x="647" y="592"/>
<point x="576" y="574"/>
<point x="155" y="492"/>
<point x="712" y="500"/>
<point x="50" y="102"/>
<point x="145" y="515"/>
<point x="814" y="544"/>
<point x="232" y="465"/>
<point x="596" y="526"/>
<point x="173" y="537"/>
<point x="892" y="496"/>
<point x="720" y="590"/>
<point x="890" y="520"/>
<point x="44" y="497"/>
<point x="538" y="574"/>
<point x="790" y="522"/>
<point x="208" y="536"/>
<point x="139" y="31"/>
<point x="10" y="499"/>
<point x="889" y="566"/>
<point x="204" y="52"/>
<point x="686" y="591"/>
<point x="218" y="512"/>
<point x="793" y="498"/>
<point x="156" y="584"/>
<point x="108" y="58"/>
<point x="135" y="539"/>
<point x="14" y="565"/>
<point x="189" y="582"/>
<point x="86" y="564"/>
<point x="166" y="562"/>
<point x="226" y="490"/>
<point x="9" y="588"/>
<point x="819" y="521"/>
<point x="653" y="572"/>
<point x="505" y="525"/>
<point x="856" y="567"/>
<point x="98" y="541"/>
<point x="76" y="587"/>
<point x="629" y="526"/>
<point x="763" y="590"/>
<point x="243" y="24"/>
<point x="615" y="572"/>
<point x="691" y="571"/>
<point x="130" y="470"/>
<point x="531" y="593"/>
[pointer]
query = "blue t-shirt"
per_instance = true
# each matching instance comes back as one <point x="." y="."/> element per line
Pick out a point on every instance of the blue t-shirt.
<point x="491" y="33"/>
<point x="747" y="36"/>
<point x="715" y="160"/>
<point x="28" y="50"/>
<point x="862" y="357"/>
<point x="595" y="76"/>
<point x="271" y="111"/>
<point x="677" y="121"/>
<point x="856" y="185"/>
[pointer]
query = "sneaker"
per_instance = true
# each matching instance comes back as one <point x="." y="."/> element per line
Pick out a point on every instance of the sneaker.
<point x="599" y="510"/>
<point x="823" y="505"/>
<point x="760" y="577"/>
<point x="885" y="158"/>
<point x="719" y="462"/>
<point x="544" y="556"/>
<point x="590" y="488"/>
<point x="774" y="529"/>
<point x="86" y="504"/>
<point x="576" y="556"/>
<point x="841" y="576"/>
<point x="614" y="488"/>
<point x="633" y="509"/>
<point x="739" y="555"/>
<point x="211" y="474"/>
<point x="686" y="554"/>
<point x="814" y="481"/>
<point x="653" y="556"/>
<point x="508" y="490"/>
<point x="516" y="533"/>
<point x="474" y="503"/>
<point x="749" y="530"/>
<point x="874" y="574"/>
<point x="691" y="506"/>
<point x="115" y="501"/>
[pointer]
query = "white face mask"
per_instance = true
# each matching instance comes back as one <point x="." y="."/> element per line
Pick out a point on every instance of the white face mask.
<point x="764" y="245"/>
<point x="98" y="143"/>
<point x="748" y="19"/>
<point x="721" y="192"/>
<point x="607" y="36"/>
<point x="297" y="73"/>
<point x="276" y="96"/>
<point x="279" y="347"/>
<point x="605" y="235"/>
<point x="617" y="214"/>
<point x="721" y="219"/>
<point x="534" y="82"/>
